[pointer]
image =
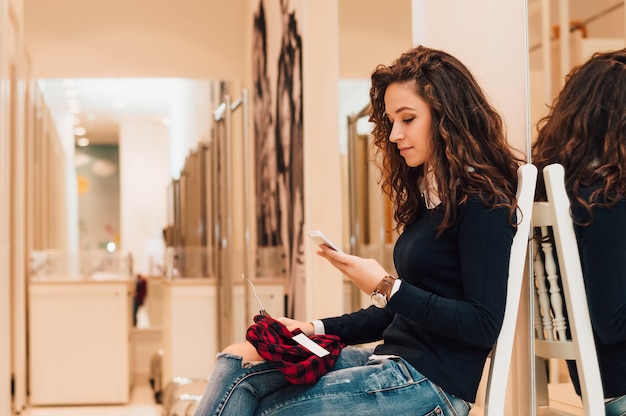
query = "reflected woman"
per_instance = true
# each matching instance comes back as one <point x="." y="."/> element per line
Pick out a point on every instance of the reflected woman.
<point x="585" y="131"/>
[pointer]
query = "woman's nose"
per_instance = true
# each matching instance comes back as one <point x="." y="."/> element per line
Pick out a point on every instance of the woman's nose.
<point x="396" y="133"/>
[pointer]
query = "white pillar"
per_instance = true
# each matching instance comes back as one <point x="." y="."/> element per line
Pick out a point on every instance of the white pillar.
<point x="191" y="119"/>
<point x="19" y="242"/>
<point x="144" y="176"/>
<point x="490" y="38"/>
<point x="5" y="212"/>
<point x="322" y="174"/>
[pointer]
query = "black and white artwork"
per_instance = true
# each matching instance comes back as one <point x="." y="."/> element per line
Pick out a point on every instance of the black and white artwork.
<point x="278" y="131"/>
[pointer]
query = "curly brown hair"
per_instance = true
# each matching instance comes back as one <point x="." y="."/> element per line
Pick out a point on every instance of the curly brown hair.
<point x="585" y="131"/>
<point x="471" y="156"/>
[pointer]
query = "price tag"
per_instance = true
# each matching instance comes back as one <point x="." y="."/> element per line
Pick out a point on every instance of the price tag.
<point x="310" y="345"/>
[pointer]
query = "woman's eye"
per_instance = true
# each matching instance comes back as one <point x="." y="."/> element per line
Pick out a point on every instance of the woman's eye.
<point x="408" y="120"/>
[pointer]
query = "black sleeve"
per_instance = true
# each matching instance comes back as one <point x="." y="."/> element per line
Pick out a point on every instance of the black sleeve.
<point x="602" y="247"/>
<point x="362" y="326"/>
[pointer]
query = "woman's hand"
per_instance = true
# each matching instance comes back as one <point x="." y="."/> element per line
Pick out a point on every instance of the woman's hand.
<point x="366" y="274"/>
<point x="306" y="327"/>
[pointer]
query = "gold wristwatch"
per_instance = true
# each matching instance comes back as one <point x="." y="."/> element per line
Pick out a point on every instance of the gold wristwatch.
<point x="380" y="295"/>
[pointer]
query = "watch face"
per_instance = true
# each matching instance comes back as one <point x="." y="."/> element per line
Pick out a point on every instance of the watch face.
<point x="379" y="300"/>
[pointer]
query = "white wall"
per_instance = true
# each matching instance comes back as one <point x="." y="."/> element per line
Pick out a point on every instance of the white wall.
<point x="144" y="176"/>
<point x="190" y="119"/>
<point x="64" y="125"/>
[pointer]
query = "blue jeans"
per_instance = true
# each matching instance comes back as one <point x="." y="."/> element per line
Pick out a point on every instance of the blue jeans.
<point x="355" y="385"/>
<point x="616" y="407"/>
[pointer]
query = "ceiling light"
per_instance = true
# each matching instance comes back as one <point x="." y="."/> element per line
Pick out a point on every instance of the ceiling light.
<point x="82" y="142"/>
<point x="79" y="131"/>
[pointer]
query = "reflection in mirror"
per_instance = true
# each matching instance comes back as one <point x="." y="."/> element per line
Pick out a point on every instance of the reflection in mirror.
<point x="593" y="27"/>
<point x="597" y="26"/>
<point x="369" y="217"/>
<point x="132" y="137"/>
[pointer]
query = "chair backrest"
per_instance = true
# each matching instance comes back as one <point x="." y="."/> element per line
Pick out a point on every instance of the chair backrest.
<point x="502" y="351"/>
<point x="550" y="320"/>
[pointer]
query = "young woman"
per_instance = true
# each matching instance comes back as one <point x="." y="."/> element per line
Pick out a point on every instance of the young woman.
<point x="452" y="177"/>
<point x="585" y="131"/>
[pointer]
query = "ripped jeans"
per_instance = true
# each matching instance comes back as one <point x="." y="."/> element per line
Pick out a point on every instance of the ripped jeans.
<point x="355" y="386"/>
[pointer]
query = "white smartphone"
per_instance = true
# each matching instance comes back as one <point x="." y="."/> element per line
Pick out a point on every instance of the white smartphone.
<point x="321" y="238"/>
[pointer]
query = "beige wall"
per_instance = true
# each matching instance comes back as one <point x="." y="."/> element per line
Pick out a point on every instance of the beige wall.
<point x="13" y="82"/>
<point x="7" y="35"/>
<point x="493" y="48"/>
<point x="372" y="32"/>
<point x="322" y="187"/>
<point x="68" y="38"/>
<point x="145" y="38"/>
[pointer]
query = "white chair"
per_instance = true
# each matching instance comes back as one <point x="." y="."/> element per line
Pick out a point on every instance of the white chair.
<point x="502" y="351"/>
<point x="550" y="323"/>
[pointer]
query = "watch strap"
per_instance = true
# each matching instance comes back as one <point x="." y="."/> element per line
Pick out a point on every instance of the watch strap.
<point x="385" y="286"/>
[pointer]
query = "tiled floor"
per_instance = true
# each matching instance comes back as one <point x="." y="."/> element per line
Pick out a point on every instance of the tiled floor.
<point x="141" y="404"/>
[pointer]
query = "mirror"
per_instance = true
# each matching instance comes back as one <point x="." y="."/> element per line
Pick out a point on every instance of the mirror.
<point x="593" y="26"/>
<point x="153" y="121"/>
<point x="367" y="211"/>
<point x="132" y="137"/>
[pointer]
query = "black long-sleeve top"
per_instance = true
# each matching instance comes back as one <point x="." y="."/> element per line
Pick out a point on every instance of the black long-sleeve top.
<point x="448" y="312"/>
<point x="602" y="248"/>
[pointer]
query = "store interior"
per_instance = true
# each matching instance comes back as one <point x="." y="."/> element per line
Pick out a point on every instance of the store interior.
<point x="143" y="201"/>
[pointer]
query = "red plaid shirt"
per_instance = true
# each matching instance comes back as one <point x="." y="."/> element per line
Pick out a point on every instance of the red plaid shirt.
<point x="273" y="341"/>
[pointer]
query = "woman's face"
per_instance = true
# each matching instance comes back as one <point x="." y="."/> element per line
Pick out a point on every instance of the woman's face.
<point x="410" y="117"/>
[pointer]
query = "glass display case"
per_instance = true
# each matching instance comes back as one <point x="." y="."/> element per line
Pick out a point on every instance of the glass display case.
<point x="55" y="265"/>
<point x="189" y="262"/>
